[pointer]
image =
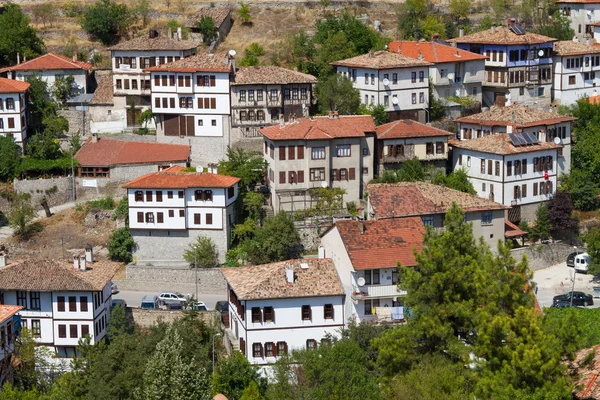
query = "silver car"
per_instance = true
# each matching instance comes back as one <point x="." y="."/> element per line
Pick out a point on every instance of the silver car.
<point x="172" y="298"/>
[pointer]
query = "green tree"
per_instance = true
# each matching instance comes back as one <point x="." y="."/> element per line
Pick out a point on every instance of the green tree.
<point x="457" y="180"/>
<point x="45" y="13"/>
<point x="336" y="93"/>
<point x="121" y="245"/>
<point x="118" y="324"/>
<point x="560" y="210"/>
<point x="249" y="166"/>
<point x="244" y="12"/>
<point x="202" y="254"/>
<point x="21" y="214"/>
<point x="542" y="227"/>
<point x="107" y="20"/>
<point x="252" y="392"/>
<point x="380" y="116"/>
<point x="433" y="24"/>
<point x="64" y="89"/>
<point x="9" y="158"/>
<point x="234" y="374"/>
<point x="277" y="240"/>
<point x="437" y="108"/>
<point x="460" y="9"/>
<point x="592" y="241"/>
<point x="43" y="146"/>
<point x="329" y="200"/>
<point x="17" y="36"/>
<point x="558" y="26"/>
<point x="207" y="28"/>
<point x="55" y="126"/>
<point x="360" y="35"/>
<point x="253" y="204"/>
<point x="411" y="171"/>
<point x="410" y="16"/>
<point x="143" y="10"/>
<point x="337" y="47"/>
<point x="251" y="54"/>
<point x="582" y="187"/>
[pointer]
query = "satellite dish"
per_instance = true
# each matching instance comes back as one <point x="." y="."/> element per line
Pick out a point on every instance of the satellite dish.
<point x="557" y="140"/>
<point x="386" y="82"/>
<point x="360" y="281"/>
<point x="394" y="100"/>
<point x="232" y="53"/>
<point x="541" y="52"/>
<point x="199" y="168"/>
<point x="323" y="184"/>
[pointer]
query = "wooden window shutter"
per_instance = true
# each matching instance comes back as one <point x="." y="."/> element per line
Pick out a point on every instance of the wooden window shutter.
<point x="200" y="102"/>
<point x="157" y="102"/>
<point x="180" y="80"/>
<point x="156" y="80"/>
<point x="209" y="219"/>
<point x="274" y="348"/>
<point x="352" y="174"/>
<point x="206" y="102"/>
<point x="285" y="347"/>
<point x="200" y="80"/>
<point x="213" y="81"/>
<point x="338" y="175"/>
<point x="301" y="176"/>
<point x="213" y="103"/>
<point x="281" y="176"/>
<point x="140" y="217"/>
<point x="301" y="152"/>
<point x="291" y="153"/>
<point x="282" y="152"/>
<point x="262" y="350"/>
<point x="197" y="219"/>
<point x="171" y="80"/>
<point x="172" y="101"/>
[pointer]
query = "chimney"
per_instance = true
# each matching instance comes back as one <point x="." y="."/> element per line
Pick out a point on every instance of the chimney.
<point x="461" y="32"/>
<point x="511" y="21"/>
<point x="335" y="115"/>
<point x="89" y="253"/>
<point x="76" y="262"/>
<point x="82" y="263"/>
<point x="74" y="56"/>
<point x="3" y="259"/>
<point x="330" y="115"/>
<point x="170" y="33"/>
<point x="361" y="226"/>
<point x="179" y="35"/>
<point x="493" y="28"/>
<point x="457" y="53"/>
<point x="94" y="138"/>
<point x="435" y="36"/>
<point x="321" y="252"/>
<point x="371" y="54"/>
<point x="289" y="275"/>
<point x="18" y="58"/>
<point x="420" y="56"/>
<point x="509" y="129"/>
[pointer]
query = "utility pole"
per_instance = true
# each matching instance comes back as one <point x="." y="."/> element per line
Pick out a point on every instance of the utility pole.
<point x="574" y="275"/>
<point x="196" y="270"/>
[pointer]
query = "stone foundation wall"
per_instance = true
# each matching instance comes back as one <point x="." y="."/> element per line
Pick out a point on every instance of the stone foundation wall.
<point x="148" y="318"/>
<point x="544" y="255"/>
<point x="210" y="281"/>
<point x="75" y="118"/>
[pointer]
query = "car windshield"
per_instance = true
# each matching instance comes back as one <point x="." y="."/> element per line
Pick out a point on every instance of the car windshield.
<point x="179" y="295"/>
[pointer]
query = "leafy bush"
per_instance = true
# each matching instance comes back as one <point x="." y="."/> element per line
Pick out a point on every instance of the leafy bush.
<point x="122" y="209"/>
<point x="105" y="203"/>
<point x="120" y="245"/>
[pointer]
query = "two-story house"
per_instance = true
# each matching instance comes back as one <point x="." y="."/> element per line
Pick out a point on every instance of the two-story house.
<point x="575" y="68"/>
<point x="264" y="95"/>
<point x="518" y="66"/>
<point x="366" y="255"/>
<point x="453" y="72"/>
<point x="191" y="104"/>
<point x="13" y="109"/>
<point x="61" y="301"/>
<point x="285" y="306"/>
<point x="308" y="153"/>
<point x="397" y="82"/>
<point x="431" y="202"/>
<point x="546" y="124"/>
<point x="51" y="66"/>
<point x="169" y="209"/>
<point x="9" y="330"/>
<point x="131" y="58"/>
<point x="583" y="15"/>
<point x="403" y="140"/>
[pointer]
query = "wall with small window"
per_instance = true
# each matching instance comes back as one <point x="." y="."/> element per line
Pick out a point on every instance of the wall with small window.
<point x="156" y="197"/>
<point x="157" y="218"/>
<point x="41" y="328"/>
<point x="206" y="197"/>
<point x="68" y="332"/>
<point x="204" y="218"/>
<point x="72" y="305"/>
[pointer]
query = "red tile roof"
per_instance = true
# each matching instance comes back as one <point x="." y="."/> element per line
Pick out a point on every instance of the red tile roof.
<point x="408" y="129"/>
<point x="381" y="60"/>
<point x="49" y="61"/>
<point x="394" y="200"/>
<point x="502" y="35"/>
<point x="13" y="86"/>
<point x="146" y="43"/>
<point x="592" y="99"/>
<point x="321" y="128"/>
<point x="511" y="230"/>
<point x="109" y="152"/>
<point x="268" y="74"/>
<point x="198" y="62"/>
<point x="500" y="144"/>
<point x="383" y="243"/>
<point x="433" y="52"/>
<point x="7" y="311"/>
<point x="517" y="115"/>
<point x="175" y="178"/>
<point x="571" y="48"/>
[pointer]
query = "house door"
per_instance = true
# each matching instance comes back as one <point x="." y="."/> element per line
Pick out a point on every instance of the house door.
<point x="133" y="117"/>
<point x="499" y="99"/>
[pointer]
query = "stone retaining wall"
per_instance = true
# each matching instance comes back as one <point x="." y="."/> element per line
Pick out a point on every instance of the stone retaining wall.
<point x="210" y="281"/>
<point x="148" y="318"/>
<point x="544" y="255"/>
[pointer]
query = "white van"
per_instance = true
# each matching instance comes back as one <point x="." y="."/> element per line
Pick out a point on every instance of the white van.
<point x="582" y="262"/>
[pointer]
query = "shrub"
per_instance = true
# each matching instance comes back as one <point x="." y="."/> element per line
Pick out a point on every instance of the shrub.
<point x="122" y="209"/>
<point x="120" y="245"/>
<point x="105" y="203"/>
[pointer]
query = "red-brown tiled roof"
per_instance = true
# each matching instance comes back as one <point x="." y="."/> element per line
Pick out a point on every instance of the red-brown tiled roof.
<point x="592" y="99"/>
<point x="146" y="43"/>
<point x="500" y="144"/>
<point x="406" y="128"/>
<point x="109" y="152"/>
<point x="502" y="35"/>
<point x="7" y="311"/>
<point x="49" y="61"/>
<point x="268" y="281"/>
<point x="176" y="178"/>
<point x="433" y="52"/>
<point x="269" y="74"/>
<point x="198" y="62"/>
<point x="13" y="86"/>
<point x="511" y="230"/>
<point x="394" y="200"/>
<point x="381" y="60"/>
<point x="517" y="115"/>
<point x="104" y="94"/>
<point x="218" y="15"/>
<point x="321" y="128"/>
<point x="586" y="373"/>
<point x="383" y="243"/>
<point x="571" y="48"/>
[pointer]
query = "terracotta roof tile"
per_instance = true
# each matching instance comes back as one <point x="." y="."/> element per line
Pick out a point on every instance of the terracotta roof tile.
<point x="104" y="94"/>
<point x="270" y="75"/>
<point x="35" y="274"/>
<point x="13" y="86"/>
<point x="383" y="243"/>
<point x="500" y="144"/>
<point x="49" y="61"/>
<point x="517" y="115"/>
<point x="394" y="200"/>
<point x="175" y="178"/>
<point x="146" y="43"/>
<point x="433" y="52"/>
<point x="7" y="311"/>
<point x="408" y="129"/>
<point x="571" y="48"/>
<point x="109" y="152"/>
<point x="586" y="374"/>
<point x="511" y="230"/>
<point x="381" y="60"/>
<point x="321" y="128"/>
<point x="199" y="62"/>
<point x="218" y="14"/>
<point x="502" y="35"/>
<point x="268" y="281"/>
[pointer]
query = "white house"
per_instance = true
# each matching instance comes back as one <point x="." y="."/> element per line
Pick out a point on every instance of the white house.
<point x="191" y="104"/>
<point x="575" y="68"/>
<point x="518" y="66"/>
<point x="51" y="66"/>
<point x="62" y="301"/>
<point x="13" y="109"/>
<point x="397" y="82"/>
<point x="546" y="124"/>
<point x="280" y="307"/>
<point x="9" y="330"/>
<point x="366" y="255"/>
<point x="453" y="72"/>
<point x="169" y="209"/>
<point x="583" y="15"/>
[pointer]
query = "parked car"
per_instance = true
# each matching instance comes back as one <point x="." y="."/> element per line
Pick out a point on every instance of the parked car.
<point x="571" y="258"/>
<point x="118" y="302"/>
<point x="149" y="301"/>
<point x="582" y="262"/>
<point x="579" y="299"/>
<point x="172" y="298"/>
<point x="197" y="305"/>
<point x="564" y="304"/>
<point x="114" y="288"/>
<point x="222" y="306"/>
<point x="175" y="306"/>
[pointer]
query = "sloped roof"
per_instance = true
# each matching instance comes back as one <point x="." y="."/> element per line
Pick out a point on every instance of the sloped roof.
<point x="502" y="35"/>
<point x="7" y="311"/>
<point x="571" y="48"/>
<point x="13" y="86"/>
<point x="383" y="243"/>
<point x="511" y="230"/>
<point x="108" y="152"/>
<point x="198" y="62"/>
<point x="268" y="281"/>
<point x="49" y="61"/>
<point x="35" y="274"/>
<point x="517" y="115"/>
<point x="175" y="178"/>
<point x="270" y="75"/>
<point x="321" y="128"/>
<point x="104" y="94"/>
<point x="406" y="128"/>
<point x="433" y="52"/>
<point x="500" y="144"/>
<point x="146" y="43"/>
<point x="394" y="200"/>
<point x="381" y="60"/>
<point x="218" y="15"/>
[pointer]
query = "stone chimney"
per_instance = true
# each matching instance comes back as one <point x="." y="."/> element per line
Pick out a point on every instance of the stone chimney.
<point x="179" y="33"/>
<point x="435" y="36"/>
<point x="289" y="275"/>
<point x="82" y="265"/>
<point x="170" y="33"/>
<point x="511" y="21"/>
<point x="74" y="56"/>
<point x="461" y="32"/>
<point x="361" y="226"/>
<point x="493" y="29"/>
<point x="371" y="54"/>
<point x="3" y="259"/>
<point x="89" y="253"/>
<point x="94" y="138"/>
<point x="18" y="58"/>
<point x="76" y="262"/>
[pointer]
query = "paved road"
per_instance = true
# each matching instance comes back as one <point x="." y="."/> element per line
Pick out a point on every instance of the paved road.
<point x="134" y="298"/>
<point x="557" y="279"/>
